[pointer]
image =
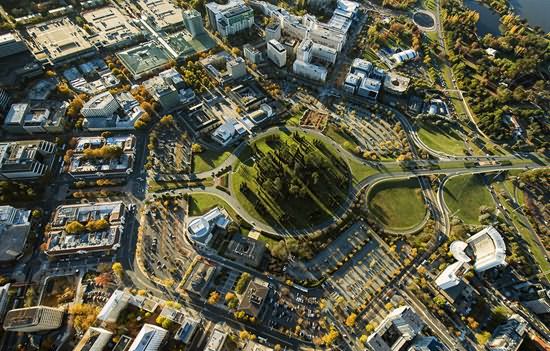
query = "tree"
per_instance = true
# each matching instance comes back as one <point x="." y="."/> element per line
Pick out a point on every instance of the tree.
<point x="167" y="120"/>
<point x="350" y="321"/>
<point x="74" y="227"/>
<point x="370" y="327"/>
<point x="103" y="279"/>
<point x="330" y="337"/>
<point x="84" y="315"/>
<point x="118" y="269"/>
<point x="213" y="298"/>
<point x="36" y="213"/>
<point x="242" y="282"/>
<point x="483" y="337"/>
<point x="196" y="148"/>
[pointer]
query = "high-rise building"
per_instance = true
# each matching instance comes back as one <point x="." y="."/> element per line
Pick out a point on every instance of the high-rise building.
<point x="231" y="18"/>
<point x="273" y="31"/>
<point x="11" y="44"/>
<point x="5" y="100"/>
<point x="193" y="22"/>
<point x="399" y="327"/>
<point x="252" y="54"/>
<point x="33" y="319"/>
<point x="236" y="68"/>
<point x="276" y="53"/>
<point x="149" y="338"/>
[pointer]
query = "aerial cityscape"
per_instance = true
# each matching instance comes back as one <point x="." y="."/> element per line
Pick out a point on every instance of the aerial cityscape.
<point x="269" y="175"/>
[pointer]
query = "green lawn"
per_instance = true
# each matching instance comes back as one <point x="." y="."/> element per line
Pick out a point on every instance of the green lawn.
<point x="201" y="203"/>
<point x="397" y="204"/>
<point x="464" y="195"/>
<point x="440" y="139"/>
<point x="208" y="160"/>
<point x="342" y="138"/>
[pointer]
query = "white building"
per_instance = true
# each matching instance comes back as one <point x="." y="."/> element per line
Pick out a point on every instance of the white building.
<point x="111" y="27"/>
<point x="149" y="338"/>
<point x="14" y="232"/>
<point x="310" y="71"/>
<point x="193" y="22"/>
<point x="201" y="229"/>
<point x="236" y="68"/>
<point x="276" y="53"/>
<point x="273" y="32"/>
<point x="40" y="118"/>
<point x="112" y="308"/>
<point x="252" y="54"/>
<point x="351" y="83"/>
<point x="486" y="248"/>
<point x="231" y="18"/>
<point x="404" y="56"/>
<point x="217" y="340"/>
<point x="101" y="105"/>
<point x="33" y="319"/>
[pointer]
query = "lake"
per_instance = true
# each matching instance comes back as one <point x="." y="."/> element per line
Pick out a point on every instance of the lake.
<point x="534" y="11"/>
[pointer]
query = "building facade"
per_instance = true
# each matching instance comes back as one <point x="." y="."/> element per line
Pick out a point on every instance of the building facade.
<point x="33" y="319"/>
<point x="276" y="52"/>
<point x="231" y="18"/>
<point x="29" y="159"/>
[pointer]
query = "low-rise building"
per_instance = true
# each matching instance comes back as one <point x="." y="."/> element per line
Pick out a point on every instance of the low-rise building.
<point x="149" y="338"/>
<point x="112" y="28"/>
<point x="33" y="319"/>
<point x="228" y="132"/>
<point x="14" y="231"/>
<point x="369" y="88"/>
<point x="107" y="112"/>
<point x="144" y="59"/>
<point x="276" y="52"/>
<point x="29" y="159"/>
<point x="167" y="89"/>
<point x="252" y="301"/>
<point x="201" y="230"/>
<point x="36" y="118"/>
<point x="101" y="105"/>
<point x="99" y="157"/>
<point x="198" y="280"/>
<point x="310" y="70"/>
<point x="95" y="339"/>
<point x="245" y="250"/>
<point x="217" y="341"/>
<point x="396" y="84"/>
<point x="59" y="41"/>
<point x="509" y="335"/>
<point x="163" y="13"/>
<point x="85" y="228"/>
<point x="486" y="249"/>
<point x="404" y="56"/>
<point x="254" y="346"/>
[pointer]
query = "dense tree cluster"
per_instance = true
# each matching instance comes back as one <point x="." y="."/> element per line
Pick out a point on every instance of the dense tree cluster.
<point x="106" y="152"/>
<point x="505" y="89"/>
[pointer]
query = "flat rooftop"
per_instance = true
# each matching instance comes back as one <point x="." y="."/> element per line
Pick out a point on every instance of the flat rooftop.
<point x="144" y="58"/>
<point x="58" y="40"/>
<point x="164" y="12"/>
<point x="111" y="25"/>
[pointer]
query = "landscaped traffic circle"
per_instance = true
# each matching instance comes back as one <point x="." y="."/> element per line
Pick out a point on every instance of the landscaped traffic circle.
<point x="424" y="19"/>
<point x="291" y="180"/>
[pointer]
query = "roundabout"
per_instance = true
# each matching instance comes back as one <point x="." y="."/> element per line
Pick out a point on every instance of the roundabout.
<point x="425" y="20"/>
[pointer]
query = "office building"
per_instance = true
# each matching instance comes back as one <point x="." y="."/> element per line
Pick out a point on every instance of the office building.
<point x="254" y="346"/>
<point x="396" y="84"/>
<point x="236" y="68"/>
<point x="427" y="343"/>
<point x="5" y="100"/>
<point x="4" y="299"/>
<point x="245" y="250"/>
<point x="197" y="282"/>
<point x="95" y="339"/>
<point x="369" y="88"/>
<point x="33" y="319"/>
<point x="228" y="132"/>
<point x="231" y="18"/>
<point x="144" y="59"/>
<point x="11" y="44"/>
<point x="59" y="41"/>
<point x="273" y="32"/>
<point x="48" y="117"/>
<point x="252" y="54"/>
<point x="310" y="71"/>
<point x="217" y="340"/>
<point x="352" y="83"/>
<point x="149" y="338"/>
<point x="187" y="330"/>
<point x="99" y="157"/>
<point x="165" y="89"/>
<point x="85" y="228"/>
<point x="111" y="27"/>
<point x="14" y="231"/>
<point x="29" y="159"/>
<point x="399" y="327"/>
<point x="509" y="335"/>
<point x="192" y="20"/>
<point x="101" y="105"/>
<point x="162" y="13"/>
<point x="276" y="52"/>
<point x="201" y="229"/>
<point x="252" y="301"/>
